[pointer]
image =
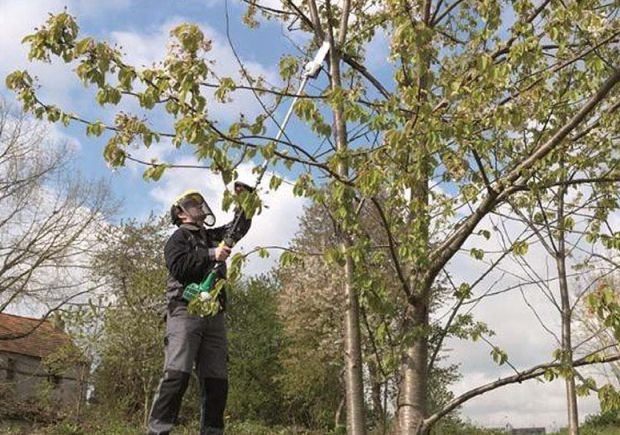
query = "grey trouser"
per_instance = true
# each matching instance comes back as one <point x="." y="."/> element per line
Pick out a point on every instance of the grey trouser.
<point x="192" y="341"/>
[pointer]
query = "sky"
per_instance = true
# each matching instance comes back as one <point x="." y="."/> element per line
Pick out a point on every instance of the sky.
<point x="141" y="27"/>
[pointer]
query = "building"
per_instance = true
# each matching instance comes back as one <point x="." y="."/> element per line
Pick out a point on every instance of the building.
<point x="529" y="431"/>
<point x="522" y="430"/>
<point x="24" y="376"/>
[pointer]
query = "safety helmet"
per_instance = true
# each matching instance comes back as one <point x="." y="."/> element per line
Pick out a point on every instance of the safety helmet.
<point x="193" y="204"/>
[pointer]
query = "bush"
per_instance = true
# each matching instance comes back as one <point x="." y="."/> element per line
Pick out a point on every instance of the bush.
<point x="605" y="423"/>
<point x="609" y="418"/>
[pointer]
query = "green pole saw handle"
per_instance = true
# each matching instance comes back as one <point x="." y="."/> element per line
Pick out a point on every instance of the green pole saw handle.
<point x="192" y="290"/>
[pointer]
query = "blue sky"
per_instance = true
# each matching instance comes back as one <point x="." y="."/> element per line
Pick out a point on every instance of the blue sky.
<point x="142" y="28"/>
<point x="139" y="26"/>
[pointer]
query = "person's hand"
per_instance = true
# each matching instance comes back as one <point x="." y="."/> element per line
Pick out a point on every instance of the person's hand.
<point x="242" y="187"/>
<point x="222" y="253"/>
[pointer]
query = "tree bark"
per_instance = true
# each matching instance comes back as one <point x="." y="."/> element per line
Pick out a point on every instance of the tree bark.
<point x="356" y="419"/>
<point x="375" y="388"/>
<point x="567" y="347"/>
<point x="353" y="380"/>
<point x="338" y="415"/>
<point x="413" y="392"/>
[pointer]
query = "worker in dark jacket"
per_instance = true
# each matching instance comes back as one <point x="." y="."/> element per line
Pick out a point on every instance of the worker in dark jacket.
<point x="191" y="253"/>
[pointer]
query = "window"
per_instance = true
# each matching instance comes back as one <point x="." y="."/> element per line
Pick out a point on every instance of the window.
<point x="54" y="380"/>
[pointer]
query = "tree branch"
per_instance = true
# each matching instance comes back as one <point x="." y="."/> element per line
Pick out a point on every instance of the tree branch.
<point x="525" y="375"/>
<point x="501" y="187"/>
<point x="392" y="248"/>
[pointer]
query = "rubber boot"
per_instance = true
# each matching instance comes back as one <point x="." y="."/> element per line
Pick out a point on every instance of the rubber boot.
<point x="213" y="397"/>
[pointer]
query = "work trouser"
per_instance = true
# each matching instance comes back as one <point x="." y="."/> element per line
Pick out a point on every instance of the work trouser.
<point x="192" y="340"/>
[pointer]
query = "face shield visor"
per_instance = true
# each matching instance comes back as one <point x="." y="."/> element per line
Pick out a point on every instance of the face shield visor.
<point x="197" y="209"/>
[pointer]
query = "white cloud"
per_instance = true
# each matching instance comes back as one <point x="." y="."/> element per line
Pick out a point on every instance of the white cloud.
<point x="518" y="332"/>
<point x="57" y="134"/>
<point x="531" y="403"/>
<point x="147" y="48"/>
<point x="55" y="209"/>
<point x="19" y="18"/>
<point x="275" y="226"/>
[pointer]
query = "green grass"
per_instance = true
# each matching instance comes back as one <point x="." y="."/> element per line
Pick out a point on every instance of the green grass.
<point x="599" y="430"/>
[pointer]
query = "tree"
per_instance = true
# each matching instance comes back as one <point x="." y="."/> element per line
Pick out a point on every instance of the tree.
<point x="310" y="306"/>
<point x="49" y="218"/>
<point x="125" y="327"/>
<point x="566" y="220"/>
<point x="255" y="344"/>
<point x="311" y="310"/>
<point x="467" y="121"/>
<point x="596" y="310"/>
<point x="593" y="332"/>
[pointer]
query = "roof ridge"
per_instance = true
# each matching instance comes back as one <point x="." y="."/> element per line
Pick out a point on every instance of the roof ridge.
<point x="41" y="338"/>
<point x="45" y="319"/>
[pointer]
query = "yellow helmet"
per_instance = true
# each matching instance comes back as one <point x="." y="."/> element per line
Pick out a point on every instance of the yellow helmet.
<point x="187" y="194"/>
<point x="193" y="204"/>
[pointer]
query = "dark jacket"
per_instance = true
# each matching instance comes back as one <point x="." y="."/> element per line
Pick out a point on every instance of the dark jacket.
<point x="190" y="254"/>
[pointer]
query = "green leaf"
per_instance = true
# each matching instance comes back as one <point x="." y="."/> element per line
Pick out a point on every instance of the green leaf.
<point x="226" y="86"/>
<point x="275" y="182"/>
<point x="154" y="173"/>
<point x="289" y="65"/>
<point x="464" y="291"/>
<point x="289" y="258"/>
<point x="569" y="223"/>
<point x="478" y="254"/>
<point x="334" y="256"/>
<point x="83" y="45"/>
<point x="499" y="356"/>
<point x="550" y="374"/>
<point x="520" y="248"/>
<point x="95" y="129"/>
<point x="190" y="36"/>
<point x="126" y="77"/>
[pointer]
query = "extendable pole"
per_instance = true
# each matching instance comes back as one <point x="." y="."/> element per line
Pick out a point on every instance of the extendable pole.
<point x="311" y="70"/>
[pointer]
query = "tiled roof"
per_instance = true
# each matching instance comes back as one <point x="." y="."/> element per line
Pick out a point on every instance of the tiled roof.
<point x="39" y="342"/>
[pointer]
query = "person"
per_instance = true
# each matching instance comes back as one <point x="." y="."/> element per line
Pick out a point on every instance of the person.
<point x="191" y="253"/>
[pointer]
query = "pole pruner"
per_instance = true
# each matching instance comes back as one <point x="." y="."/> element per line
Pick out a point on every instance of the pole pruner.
<point x="203" y="297"/>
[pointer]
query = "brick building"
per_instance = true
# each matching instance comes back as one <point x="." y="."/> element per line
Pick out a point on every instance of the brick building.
<point x="23" y="376"/>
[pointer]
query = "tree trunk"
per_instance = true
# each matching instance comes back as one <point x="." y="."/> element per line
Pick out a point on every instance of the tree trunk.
<point x="567" y="347"/>
<point x="147" y="397"/>
<point x="413" y="393"/>
<point x="354" y="387"/>
<point x="374" y="379"/>
<point x="338" y="415"/>
<point x="356" y="420"/>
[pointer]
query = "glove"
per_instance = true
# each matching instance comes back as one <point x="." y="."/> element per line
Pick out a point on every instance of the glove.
<point x="240" y="187"/>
